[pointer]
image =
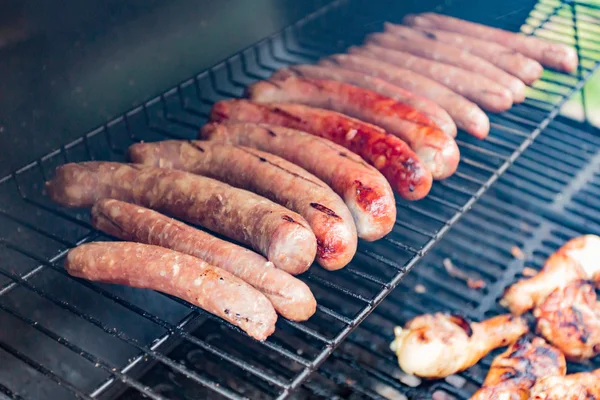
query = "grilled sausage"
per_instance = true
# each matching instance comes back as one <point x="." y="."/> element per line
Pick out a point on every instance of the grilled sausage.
<point x="414" y="42"/>
<point x="427" y="107"/>
<point x="466" y="114"/>
<point x="290" y="296"/>
<point x="553" y="55"/>
<point x="267" y="175"/>
<point x="390" y="155"/>
<point x="365" y="191"/>
<point x="515" y="63"/>
<point x="189" y="278"/>
<point x="283" y="236"/>
<point x="477" y="88"/>
<point x="437" y="150"/>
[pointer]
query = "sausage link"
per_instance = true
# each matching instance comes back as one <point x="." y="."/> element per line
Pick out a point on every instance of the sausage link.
<point x="553" y="55"/>
<point x="290" y="296"/>
<point x="515" y="63"/>
<point x="283" y="236"/>
<point x="437" y="150"/>
<point x="390" y="155"/>
<point x="467" y="115"/>
<point x="180" y="275"/>
<point x="414" y="42"/>
<point x="477" y="88"/>
<point x="365" y="191"/>
<point x="267" y="175"/>
<point x="427" y="107"/>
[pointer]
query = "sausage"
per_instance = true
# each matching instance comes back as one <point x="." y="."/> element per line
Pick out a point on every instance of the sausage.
<point x="180" y="275"/>
<point x="290" y="297"/>
<point x="477" y="88"/>
<point x="414" y="42"/>
<point x="467" y="115"/>
<point x="515" y="63"/>
<point x="553" y="55"/>
<point x="389" y="154"/>
<point x="283" y="236"/>
<point x="365" y="191"/>
<point x="437" y="150"/>
<point x="269" y="176"/>
<point x="427" y="107"/>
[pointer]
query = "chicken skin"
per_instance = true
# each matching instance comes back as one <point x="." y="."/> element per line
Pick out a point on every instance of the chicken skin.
<point x="581" y="386"/>
<point x="514" y="372"/>
<point x="569" y="319"/>
<point x="578" y="259"/>
<point x="439" y="345"/>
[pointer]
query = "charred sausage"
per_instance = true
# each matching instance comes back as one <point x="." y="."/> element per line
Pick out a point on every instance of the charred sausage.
<point x="466" y="114"/>
<point x="427" y="107"/>
<point x="437" y="150"/>
<point x="189" y="278"/>
<point x="553" y="55"/>
<point x="267" y="175"/>
<point x="283" y="236"/>
<point x="290" y="296"/>
<point x="365" y="191"/>
<point x="477" y="88"/>
<point x="414" y="42"/>
<point x="389" y="154"/>
<point x="515" y="63"/>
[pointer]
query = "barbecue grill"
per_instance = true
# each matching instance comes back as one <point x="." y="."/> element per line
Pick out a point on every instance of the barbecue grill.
<point x="530" y="186"/>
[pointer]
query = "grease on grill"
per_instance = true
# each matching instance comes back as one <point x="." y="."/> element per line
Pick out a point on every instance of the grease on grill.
<point x="457" y="273"/>
<point x="517" y="253"/>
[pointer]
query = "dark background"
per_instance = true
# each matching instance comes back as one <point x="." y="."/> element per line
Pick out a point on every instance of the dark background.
<point x="68" y="66"/>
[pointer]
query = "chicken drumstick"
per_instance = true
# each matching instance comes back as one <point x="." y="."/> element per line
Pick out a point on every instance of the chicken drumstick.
<point x="579" y="258"/>
<point x="514" y="372"/>
<point x="569" y="319"/>
<point x="439" y="345"/>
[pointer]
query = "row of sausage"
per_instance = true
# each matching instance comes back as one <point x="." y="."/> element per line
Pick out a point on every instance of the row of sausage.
<point x="397" y="100"/>
<point x="297" y="172"/>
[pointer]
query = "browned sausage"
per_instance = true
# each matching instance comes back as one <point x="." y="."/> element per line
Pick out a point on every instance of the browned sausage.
<point x="267" y="175"/>
<point x="553" y="55"/>
<point x="427" y="107"/>
<point x="477" y="88"/>
<point x="466" y="114"/>
<point x="366" y="192"/>
<point x="290" y="296"/>
<point x="280" y="234"/>
<point x="437" y="150"/>
<point x="390" y="155"/>
<point x="189" y="278"/>
<point x="414" y="42"/>
<point x="515" y="63"/>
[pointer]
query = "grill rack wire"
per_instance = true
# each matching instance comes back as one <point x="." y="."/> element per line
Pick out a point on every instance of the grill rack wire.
<point x="109" y="350"/>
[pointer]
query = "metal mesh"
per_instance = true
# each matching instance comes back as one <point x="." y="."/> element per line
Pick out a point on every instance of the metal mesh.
<point x="75" y="339"/>
<point x="493" y="242"/>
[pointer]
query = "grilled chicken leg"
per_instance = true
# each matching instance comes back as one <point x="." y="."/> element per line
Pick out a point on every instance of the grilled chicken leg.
<point x="514" y="372"/>
<point x="581" y="386"/>
<point x="569" y="318"/>
<point x="579" y="258"/>
<point x="439" y="345"/>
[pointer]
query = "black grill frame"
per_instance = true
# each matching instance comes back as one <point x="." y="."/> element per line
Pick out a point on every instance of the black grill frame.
<point x="180" y="111"/>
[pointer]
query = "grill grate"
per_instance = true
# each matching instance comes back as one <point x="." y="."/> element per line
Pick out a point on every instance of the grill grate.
<point x="364" y="364"/>
<point x="76" y="339"/>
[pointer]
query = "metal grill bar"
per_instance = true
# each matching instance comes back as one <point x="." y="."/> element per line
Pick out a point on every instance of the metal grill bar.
<point x="113" y="332"/>
<point x="111" y="369"/>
